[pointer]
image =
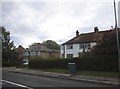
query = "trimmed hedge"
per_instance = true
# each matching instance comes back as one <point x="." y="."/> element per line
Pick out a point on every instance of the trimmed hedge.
<point x="90" y="63"/>
<point x="11" y="64"/>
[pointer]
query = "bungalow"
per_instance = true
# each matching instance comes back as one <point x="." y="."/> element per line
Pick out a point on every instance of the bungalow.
<point x="82" y="43"/>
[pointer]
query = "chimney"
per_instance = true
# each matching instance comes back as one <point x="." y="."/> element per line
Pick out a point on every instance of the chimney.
<point x="20" y="45"/>
<point x="111" y="28"/>
<point x="96" y="29"/>
<point x="77" y="33"/>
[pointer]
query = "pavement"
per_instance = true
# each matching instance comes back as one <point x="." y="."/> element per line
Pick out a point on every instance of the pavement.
<point x="103" y="80"/>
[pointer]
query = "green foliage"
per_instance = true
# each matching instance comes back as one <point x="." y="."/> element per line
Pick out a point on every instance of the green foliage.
<point x="51" y="45"/>
<point x="10" y="64"/>
<point x="108" y="46"/>
<point x="8" y="53"/>
<point x="88" y="63"/>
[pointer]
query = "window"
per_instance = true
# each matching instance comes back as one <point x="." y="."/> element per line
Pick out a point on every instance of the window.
<point x="69" y="55"/>
<point x="85" y="46"/>
<point x="89" y="46"/>
<point x="81" y="46"/>
<point x="70" y="46"/>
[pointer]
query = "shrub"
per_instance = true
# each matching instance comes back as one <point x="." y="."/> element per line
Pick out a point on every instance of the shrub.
<point x="89" y="63"/>
<point x="11" y="64"/>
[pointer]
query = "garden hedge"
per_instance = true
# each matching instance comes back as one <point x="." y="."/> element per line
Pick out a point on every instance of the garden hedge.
<point x="89" y="63"/>
<point x="11" y="64"/>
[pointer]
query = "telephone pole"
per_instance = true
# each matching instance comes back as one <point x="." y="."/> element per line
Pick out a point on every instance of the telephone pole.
<point x="117" y="35"/>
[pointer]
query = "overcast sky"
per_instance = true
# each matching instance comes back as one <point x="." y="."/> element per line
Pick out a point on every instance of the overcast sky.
<point x="32" y="21"/>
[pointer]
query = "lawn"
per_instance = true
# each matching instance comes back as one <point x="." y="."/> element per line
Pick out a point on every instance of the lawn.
<point x="85" y="73"/>
<point x="99" y="74"/>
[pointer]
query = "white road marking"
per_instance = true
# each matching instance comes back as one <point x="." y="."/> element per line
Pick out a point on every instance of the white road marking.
<point x="16" y="84"/>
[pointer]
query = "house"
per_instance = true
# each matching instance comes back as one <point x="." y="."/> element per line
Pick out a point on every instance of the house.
<point x="40" y="50"/>
<point x="20" y="50"/>
<point x="82" y="43"/>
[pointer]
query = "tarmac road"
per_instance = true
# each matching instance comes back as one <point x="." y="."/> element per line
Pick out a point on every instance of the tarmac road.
<point x="10" y="79"/>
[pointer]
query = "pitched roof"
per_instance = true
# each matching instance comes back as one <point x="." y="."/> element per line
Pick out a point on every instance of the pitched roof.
<point x="20" y="49"/>
<point x="90" y="37"/>
<point x="39" y="47"/>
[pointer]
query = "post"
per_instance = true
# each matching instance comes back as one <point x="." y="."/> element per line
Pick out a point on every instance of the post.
<point x="117" y="35"/>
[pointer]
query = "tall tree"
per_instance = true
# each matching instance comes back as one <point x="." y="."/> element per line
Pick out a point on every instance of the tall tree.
<point x="51" y="45"/>
<point x="7" y="46"/>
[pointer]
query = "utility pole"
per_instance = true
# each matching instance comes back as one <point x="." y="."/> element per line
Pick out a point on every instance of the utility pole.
<point x="117" y="35"/>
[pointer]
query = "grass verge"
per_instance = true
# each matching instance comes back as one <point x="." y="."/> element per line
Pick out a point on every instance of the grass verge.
<point x="85" y="73"/>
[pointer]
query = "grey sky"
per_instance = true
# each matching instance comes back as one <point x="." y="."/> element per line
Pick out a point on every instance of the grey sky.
<point x="34" y="21"/>
<point x="119" y="14"/>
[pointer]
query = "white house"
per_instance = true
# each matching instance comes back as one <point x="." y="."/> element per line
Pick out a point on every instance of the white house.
<point x="82" y="43"/>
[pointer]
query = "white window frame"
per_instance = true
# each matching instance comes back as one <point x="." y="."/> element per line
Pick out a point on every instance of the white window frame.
<point x="84" y="45"/>
<point x="70" y="46"/>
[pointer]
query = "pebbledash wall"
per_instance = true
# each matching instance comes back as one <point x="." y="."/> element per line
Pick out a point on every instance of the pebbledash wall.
<point x="119" y="14"/>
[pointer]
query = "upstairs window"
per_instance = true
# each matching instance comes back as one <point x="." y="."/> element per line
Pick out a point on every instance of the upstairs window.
<point x="81" y="46"/>
<point x="85" y="46"/>
<point x="70" y="46"/>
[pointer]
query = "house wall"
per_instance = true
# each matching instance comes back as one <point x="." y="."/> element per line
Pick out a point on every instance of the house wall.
<point x="45" y="54"/>
<point x="55" y="54"/>
<point x="61" y="51"/>
<point x="93" y="44"/>
<point x="65" y="52"/>
<point x="42" y="54"/>
<point x="75" y="51"/>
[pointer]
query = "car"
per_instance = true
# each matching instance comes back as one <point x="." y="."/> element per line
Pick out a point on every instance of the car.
<point x="25" y="62"/>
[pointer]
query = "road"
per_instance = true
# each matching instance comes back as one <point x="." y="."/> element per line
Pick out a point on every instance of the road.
<point x="10" y="79"/>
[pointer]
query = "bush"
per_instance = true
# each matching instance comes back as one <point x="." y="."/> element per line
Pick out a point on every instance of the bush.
<point x="11" y="64"/>
<point x="99" y="63"/>
<point x="89" y="63"/>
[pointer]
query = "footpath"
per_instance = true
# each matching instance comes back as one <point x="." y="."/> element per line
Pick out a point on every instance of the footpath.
<point x="113" y="81"/>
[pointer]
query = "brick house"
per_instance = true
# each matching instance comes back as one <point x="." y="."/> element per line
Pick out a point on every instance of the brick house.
<point x="20" y="50"/>
<point x="42" y="51"/>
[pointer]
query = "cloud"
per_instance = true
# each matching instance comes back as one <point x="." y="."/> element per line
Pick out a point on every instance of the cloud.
<point x="119" y="15"/>
<point x="30" y="22"/>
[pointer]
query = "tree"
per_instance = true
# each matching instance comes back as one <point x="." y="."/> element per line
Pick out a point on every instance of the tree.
<point x="51" y="45"/>
<point x="8" y="53"/>
<point x="108" y="46"/>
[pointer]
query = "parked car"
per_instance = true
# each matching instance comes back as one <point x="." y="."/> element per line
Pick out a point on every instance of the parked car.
<point x="25" y="62"/>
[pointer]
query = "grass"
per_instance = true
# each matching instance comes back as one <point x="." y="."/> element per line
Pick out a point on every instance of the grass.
<point x="99" y="74"/>
<point x="85" y="73"/>
<point x="55" y="70"/>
